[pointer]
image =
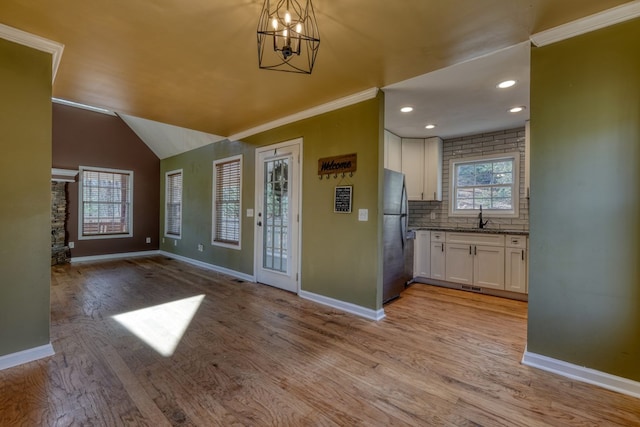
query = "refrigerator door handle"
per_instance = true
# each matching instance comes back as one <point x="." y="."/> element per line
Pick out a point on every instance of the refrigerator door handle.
<point x="403" y="230"/>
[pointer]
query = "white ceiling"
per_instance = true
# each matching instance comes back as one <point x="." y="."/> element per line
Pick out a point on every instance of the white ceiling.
<point x="462" y="99"/>
<point x="168" y="140"/>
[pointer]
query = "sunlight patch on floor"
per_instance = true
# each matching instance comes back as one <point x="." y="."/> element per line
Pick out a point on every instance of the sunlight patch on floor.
<point x="161" y="326"/>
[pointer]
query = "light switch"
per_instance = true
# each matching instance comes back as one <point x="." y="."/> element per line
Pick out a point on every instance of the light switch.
<point x="363" y="214"/>
<point x="249" y="213"/>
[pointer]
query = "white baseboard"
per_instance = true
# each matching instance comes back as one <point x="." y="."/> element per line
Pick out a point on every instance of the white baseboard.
<point x="580" y="373"/>
<point x="26" y="356"/>
<point x="113" y="256"/>
<point x="344" y="306"/>
<point x="208" y="266"/>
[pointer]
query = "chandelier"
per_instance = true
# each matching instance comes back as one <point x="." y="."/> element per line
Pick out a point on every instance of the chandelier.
<point x="288" y="37"/>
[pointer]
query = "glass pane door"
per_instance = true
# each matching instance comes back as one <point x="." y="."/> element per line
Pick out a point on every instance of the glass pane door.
<point x="276" y="215"/>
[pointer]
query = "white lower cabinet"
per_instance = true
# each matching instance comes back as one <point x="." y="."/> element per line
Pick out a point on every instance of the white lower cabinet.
<point x="421" y="254"/>
<point x="483" y="260"/>
<point x="437" y="255"/>
<point x="476" y="265"/>
<point x="459" y="263"/>
<point x="515" y="270"/>
<point x="488" y="266"/>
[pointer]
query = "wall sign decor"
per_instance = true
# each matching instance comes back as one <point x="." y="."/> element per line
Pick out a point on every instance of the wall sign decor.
<point x="342" y="199"/>
<point x="328" y="166"/>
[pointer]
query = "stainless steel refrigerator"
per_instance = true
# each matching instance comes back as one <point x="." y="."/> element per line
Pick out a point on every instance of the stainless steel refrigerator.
<point x="397" y="267"/>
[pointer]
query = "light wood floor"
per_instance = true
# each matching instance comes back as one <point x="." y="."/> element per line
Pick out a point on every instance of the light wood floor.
<point x="254" y="355"/>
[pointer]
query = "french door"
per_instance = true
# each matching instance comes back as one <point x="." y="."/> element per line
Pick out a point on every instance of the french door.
<point x="277" y="224"/>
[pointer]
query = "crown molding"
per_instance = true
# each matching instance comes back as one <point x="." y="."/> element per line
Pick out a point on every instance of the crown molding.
<point x="587" y="24"/>
<point x="35" y="42"/>
<point x="63" y="175"/>
<point x="311" y="112"/>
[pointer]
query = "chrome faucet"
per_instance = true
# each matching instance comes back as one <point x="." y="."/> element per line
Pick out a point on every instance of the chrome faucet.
<point x="481" y="224"/>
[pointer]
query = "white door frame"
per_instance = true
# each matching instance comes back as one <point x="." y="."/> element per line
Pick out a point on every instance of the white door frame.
<point x="258" y="208"/>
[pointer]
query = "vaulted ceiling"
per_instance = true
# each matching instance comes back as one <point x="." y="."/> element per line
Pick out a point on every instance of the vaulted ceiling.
<point x="193" y="63"/>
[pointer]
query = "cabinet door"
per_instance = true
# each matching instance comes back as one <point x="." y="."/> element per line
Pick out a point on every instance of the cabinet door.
<point x="393" y="152"/>
<point x="515" y="270"/>
<point x="488" y="266"/>
<point x="459" y="263"/>
<point x="421" y="258"/>
<point x="437" y="260"/>
<point x="413" y="167"/>
<point x="432" y="169"/>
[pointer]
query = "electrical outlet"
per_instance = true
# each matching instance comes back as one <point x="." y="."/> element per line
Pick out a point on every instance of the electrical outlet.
<point x="200" y="247"/>
<point x="175" y="243"/>
<point x="72" y="245"/>
<point x="249" y="213"/>
<point x="363" y="214"/>
<point x="148" y="240"/>
<point x="432" y="215"/>
<point x="163" y="240"/>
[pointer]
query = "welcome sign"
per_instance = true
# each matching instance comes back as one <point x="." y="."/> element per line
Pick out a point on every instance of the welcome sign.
<point x="338" y="164"/>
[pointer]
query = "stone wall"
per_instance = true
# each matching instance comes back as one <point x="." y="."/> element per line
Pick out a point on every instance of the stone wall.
<point x="59" y="251"/>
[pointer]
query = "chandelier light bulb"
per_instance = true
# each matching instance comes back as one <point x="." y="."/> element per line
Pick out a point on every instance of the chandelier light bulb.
<point x="285" y="32"/>
<point x="287" y="17"/>
<point x="299" y="28"/>
<point x="274" y="23"/>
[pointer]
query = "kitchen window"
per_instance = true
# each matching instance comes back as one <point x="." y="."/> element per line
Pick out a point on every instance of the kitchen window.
<point x="173" y="206"/>
<point x="105" y="206"/>
<point x="227" y="196"/>
<point x="487" y="183"/>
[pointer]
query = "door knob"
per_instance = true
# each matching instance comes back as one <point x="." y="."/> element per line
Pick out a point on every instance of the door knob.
<point x="259" y="223"/>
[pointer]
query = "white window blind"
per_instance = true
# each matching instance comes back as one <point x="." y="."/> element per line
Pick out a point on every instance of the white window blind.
<point x="105" y="202"/>
<point x="173" y="197"/>
<point x="226" y="201"/>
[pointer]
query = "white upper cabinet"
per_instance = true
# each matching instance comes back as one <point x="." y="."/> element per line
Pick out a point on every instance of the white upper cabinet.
<point x="422" y="167"/>
<point x="412" y="167"/>
<point x="392" y="152"/>
<point x="433" y="169"/>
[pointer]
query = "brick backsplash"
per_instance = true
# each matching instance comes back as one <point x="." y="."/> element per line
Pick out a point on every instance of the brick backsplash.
<point x="485" y="144"/>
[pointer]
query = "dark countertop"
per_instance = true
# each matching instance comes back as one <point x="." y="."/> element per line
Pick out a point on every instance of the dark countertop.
<point x="474" y="230"/>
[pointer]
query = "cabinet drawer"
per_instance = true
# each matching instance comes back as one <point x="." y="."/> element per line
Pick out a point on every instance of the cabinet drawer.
<point x="437" y="236"/>
<point x="517" y="242"/>
<point x="476" y="239"/>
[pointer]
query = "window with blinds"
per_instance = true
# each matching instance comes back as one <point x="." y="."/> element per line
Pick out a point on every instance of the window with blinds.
<point x="173" y="204"/>
<point x="106" y="197"/>
<point x="227" y="194"/>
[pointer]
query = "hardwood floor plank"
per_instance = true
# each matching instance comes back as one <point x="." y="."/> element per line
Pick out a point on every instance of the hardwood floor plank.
<point x="253" y="355"/>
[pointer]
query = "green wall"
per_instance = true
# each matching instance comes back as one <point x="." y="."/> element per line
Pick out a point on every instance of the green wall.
<point x="25" y="217"/>
<point x="340" y="255"/>
<point x="584" y="293"/>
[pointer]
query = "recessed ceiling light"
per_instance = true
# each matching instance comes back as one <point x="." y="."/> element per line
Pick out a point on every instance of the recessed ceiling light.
<point x="429" y="126"/>
<point x="505" y="84"/>
<point x="516" y="109"/>
<point x="406" y="109"/>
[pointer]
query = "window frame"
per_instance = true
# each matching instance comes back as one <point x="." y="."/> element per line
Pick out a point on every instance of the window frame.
<point x="166" y="202"/>
<point x="214" y="242"/>
<point x="515" y="186"/>
<point x="81" y="202"/>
